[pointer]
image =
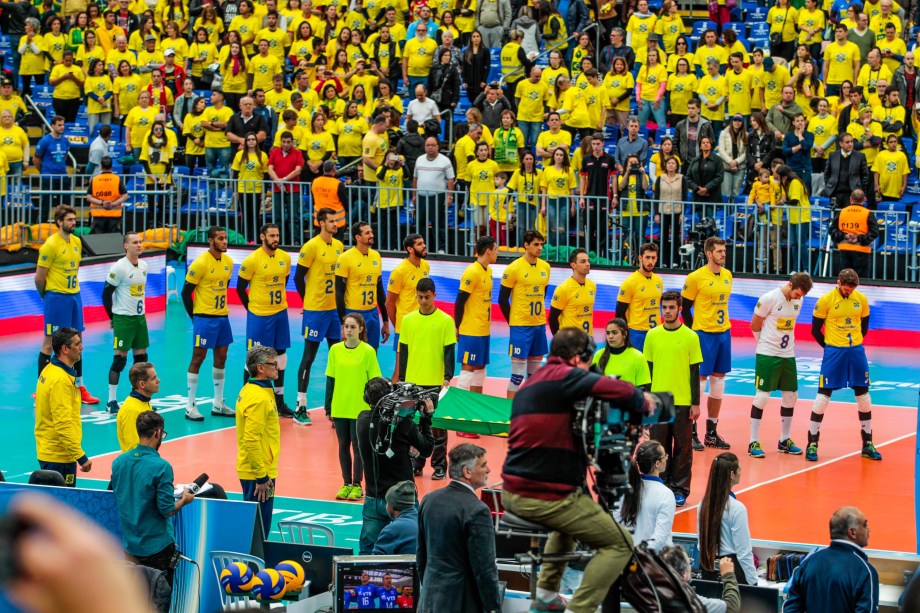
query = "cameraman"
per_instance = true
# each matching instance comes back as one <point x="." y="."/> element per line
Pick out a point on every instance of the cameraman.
<point x="393" y="463"/>
<point x="544" y="471"/>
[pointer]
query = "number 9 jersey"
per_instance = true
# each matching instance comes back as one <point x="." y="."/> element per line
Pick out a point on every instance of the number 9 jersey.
<point x="62" y="259"/>
<point x="710" y="293"/>
<point x="211" y="278"/>
<point x="528" y="291"/>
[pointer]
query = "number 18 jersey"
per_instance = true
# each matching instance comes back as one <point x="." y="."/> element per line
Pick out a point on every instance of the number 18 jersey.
<point x="777" y="337"/>
<point x="211" y="278"/>
<point x="528" y="291"/>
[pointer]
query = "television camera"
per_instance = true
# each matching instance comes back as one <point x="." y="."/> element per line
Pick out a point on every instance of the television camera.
<point x="403" y="400"/>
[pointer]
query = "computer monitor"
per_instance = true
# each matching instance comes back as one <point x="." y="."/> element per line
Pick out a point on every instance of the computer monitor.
<point x="317" y="561"/>
<point x="754" y="599"/>
<point x="375" y="583"/>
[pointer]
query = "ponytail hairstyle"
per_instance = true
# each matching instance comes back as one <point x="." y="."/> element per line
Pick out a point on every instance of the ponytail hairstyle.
<point x="647" y="454"/>
<point x="620" y="323"/>
<point x="718" y="490"/>
<point x="361" y="324"/>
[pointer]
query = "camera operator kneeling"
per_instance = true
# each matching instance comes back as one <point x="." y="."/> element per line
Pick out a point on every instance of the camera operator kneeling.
<point x="675" y="557"/>
<point x="545" y="469"/>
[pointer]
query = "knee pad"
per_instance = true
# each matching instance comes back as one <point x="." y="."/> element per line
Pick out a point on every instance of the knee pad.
<point x="119" y="362"/>
<point x="790" y="398"/>
<point x="761" y="398"/>
<point x="518" y="368"/>
<point x="465" y="380"/>
<point x="533" y="364"/>
<point x="478" y="377"/>
<point x="282" y="360"/>
<point x="141" y="357"/>
<point x="716" y="387"/>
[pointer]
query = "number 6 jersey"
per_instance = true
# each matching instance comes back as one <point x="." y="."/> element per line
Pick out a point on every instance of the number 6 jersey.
<point x="777" y="337"/>
<point x="130" y="283"/>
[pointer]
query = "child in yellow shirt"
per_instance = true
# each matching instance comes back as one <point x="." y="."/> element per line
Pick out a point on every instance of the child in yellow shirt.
<point x="501" y="209"/>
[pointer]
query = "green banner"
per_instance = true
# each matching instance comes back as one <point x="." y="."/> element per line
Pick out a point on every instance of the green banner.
<point x="464" y="411"/>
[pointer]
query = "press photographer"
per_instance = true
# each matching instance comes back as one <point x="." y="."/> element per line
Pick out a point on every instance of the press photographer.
<point x="388" y="438"/>
<point x="545" y="469"/>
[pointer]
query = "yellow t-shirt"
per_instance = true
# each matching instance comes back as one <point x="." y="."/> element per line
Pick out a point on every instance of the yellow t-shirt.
<point x="811" y="20"/>
<point x="640" y="27"/>
<point x="617" y="85"/>
<point x="267" y="276"/>
<point x="650" y="79"/>
<point x="481" y="176"/>
<point x="211" y="278"/>
<point x="862" y="134"/>
<point x="277" y="41"/>
<point x="32" y="62"/>
<point x="712" y="89"/>
<point x="191" y="127"/>
<point x="420" y="56"/>
<point x="317" y="145"/>
<point x="204" y="51"/>
<point x="532" y="99"/>
<point x="375" y="146"/>
<point x="643" y="295"/>
<point x="549" y="141"/>
<point x="682" y="88"/>
<point x="526" y="185"/>
<point x="13" y="141"/>
<point x="573" y="107"/>
<point x="597" y="100"/>
<point x="403" y="281"/>
<point x="58" y="429"/>
<point x="279" y="101"/>
<point x="739" y="88"/>
<point x="99" y="86"/>
<point x="892" y="114"/>
<point x="67" y="89"/>
<point x="839" y="59"/>
<point x="126" y="422"/>
<point x="800" y="206"/>
<point x="251" y="172"/>
<point x="673" y="59"/>
<point x="351" y="135"/>
<point x="127" y="90"/>
<point x="360" y="272"/>
<point x="842" y="317"/>
<point x="527" y="283"/>
<point x="179" y="47"/>
<point x="897" y="47"/>
<point x="54" y="46"/>
<point x="262" y="70"/>
<point x="247" y="27"/>
<point x="391" y="184"/>
<point x="704" y="54"/>
<point x="868" y="78"/>
<point x="426" y="336"/>
<point x="576" y="303"/>
<point x="783" y="20"/>
<point x="258" y="433"/>
<point x="62" y="259"/>
<point x="669" y="29"/>
<point x="319" y="258"/>
<point x="823" y="129"/>
<point x="217" y="138"/>
<point x="558" y="181"/>
<point x="477" y="313"/>
<point x="710" y="293"/>
<point x="891" y="167"/>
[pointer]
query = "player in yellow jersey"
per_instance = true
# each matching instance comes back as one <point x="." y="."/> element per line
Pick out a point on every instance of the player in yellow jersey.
<point x="265" y="273"/>
<point x="843" y="313"/>
<point x="315" y="282"/>
<point x="57" y="282"/>
<point x="359" y="284"/>
<point x="639" y="300"/>
<point x="522" y="298"/>
<point x="707" y="291"/>
<point x="205" y="298"/>
<point x="572" y="305"/>
<point x="401" y="287"/>
<point x="473" y="316"/>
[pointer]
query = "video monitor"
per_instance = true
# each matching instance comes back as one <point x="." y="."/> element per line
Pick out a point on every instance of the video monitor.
<point x="375" y="583"/>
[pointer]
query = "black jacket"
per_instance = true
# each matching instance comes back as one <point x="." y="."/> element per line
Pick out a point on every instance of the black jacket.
<point x="411" y="147"/>
<point x="444" y="85"/>
<point x="456" y="553"/>
<point x="382" y="472"/>
<point x="706" y="172"/>
<point x="857" y="175"/>
<point x="476" y="70"/>
<point x="760" y="148"/>
<point x="18" y="12"/>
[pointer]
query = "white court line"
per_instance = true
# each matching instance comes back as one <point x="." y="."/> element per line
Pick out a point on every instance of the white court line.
<point x="805" y="470"/>
<point x="887" y="406"/>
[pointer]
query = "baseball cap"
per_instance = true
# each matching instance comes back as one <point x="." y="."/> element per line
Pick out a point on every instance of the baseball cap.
<point x="5" y="82"/>
<point x="768" y="64"/>
<point x="652" y="38"/>
<point x="401" y="496"/>
<point x="169" y="52"/>
<point x="150" y="37"/>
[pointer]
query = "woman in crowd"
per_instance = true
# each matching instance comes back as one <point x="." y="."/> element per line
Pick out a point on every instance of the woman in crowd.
<point x="552" y="26"/>
<point x="582" y="50"/>
<point x="760" y="147"/>
<point x="32" y="62"/>
<point x="202" y="54"/>
<point x="682" y="51"/>
<point x="733" y="152"/>
<point x="704" y="178"/>
<point x="212" y="24"/>
<point x="55" y="43"/>
<point x="352" y="126"/>
<point x="670" y="192"/>
<point x="90" y="50"/>
<point x="126" y="88"/>
<point x="647" y="509"/>
<point x="446" y="25"/>
<point x="723" y="523"/>
<point x="99" y="102"/>
<point x="558" y="187"/>
<point x="14" y="144"/>
<point x="656" y="162"/>
<point x="508" y="143"/>
<point x="235" y="75"/>
<point x="650" y="87"/>
<point x="794" y="196"/>
<point x="250" y="165"/>
<point x="175" y="40"/>
<point x="525" y="183"/>
<point x="552" y="72"/>
<point x="194" y="143"/>
<point x="354" y="363"/>
<point x="782" y="18"/>
<point x="619" y="358"/>
<point x="797" y="146"/>
<point x="477" y="61"/>
<point x="147" y="28"/>
<point x="444" y="84"/>
<point x="157" y="158"/>
<point x="807" y="88"/>
<point x="572" y="106"/>
<point x="76" y="33"/>
<point x="480" y="173"/>
<point x="318" y="145"/>
<point x="302" y="47"/>
<point x="386" y="97"/>
<point x="802" y="57"/>
<point x="620" y="84"/>
<point x="681" y="87"/>
<point x="670" y="26"/>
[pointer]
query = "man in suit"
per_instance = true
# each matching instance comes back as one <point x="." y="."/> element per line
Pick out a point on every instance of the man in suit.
<point x="845" y="171"/>
<point x="456" y="542"/>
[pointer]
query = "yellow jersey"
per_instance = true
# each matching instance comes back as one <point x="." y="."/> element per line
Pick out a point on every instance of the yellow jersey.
<point x="477" y="312"/>
<point x="403" y="281"/>
<point x="268" y="276"/>
<point x="351" y="135"/>
<point x="58" y="429"/>
<point x="213" y="138"/>
<point x="712" y="88"/>
<point x="640" y="26"/>
<point x="576" y="302"/>
<point x="650" y="79"/>
<point x="710" y="293"/>
<point x="62" y="259"/>
<point x="67" y="89"/>
<point x="319" y="258"/>
<point x="532" y="98"/>
<point x="840" y="62"/>
<point x="277" y="41"/>
<point x="617" y="85"/>
<point x="558" y="181"/>
<point x="481" y="176"/>
<point x="528" y="291"/>
<point x="247" y="27"/>
<point x="891" y="114"/>
<point x="704" y="54"/>
<point x="360" y="272"/>
<point x="842" y="317"/>
<point x="420" y="56"/>
<point x="262" y="70"/>
<point x="425" y="337"/>
<point x="374" y="146"/>
<point x="643" y="295"/>
<point x="549" y="141"/>
<point x="823" y="128"/>
<point x="211" y="279"/>
<point x="891" y="167"/>
<point x="258" y="433"/>
<point x="681" y="88"/>
<point x="126" y="422"/>
<point x="739" y="88"/>
<point x="278" y="100"/>
<point x="191" y="127"/>
<point x="250" y="172"/>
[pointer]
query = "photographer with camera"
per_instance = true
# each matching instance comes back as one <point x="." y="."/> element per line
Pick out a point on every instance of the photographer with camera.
<point x="544" y="471"/>
<point x="387" y="439"/>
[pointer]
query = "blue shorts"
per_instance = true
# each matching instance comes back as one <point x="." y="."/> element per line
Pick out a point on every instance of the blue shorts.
<point x="372" y="326"/>
<point x="637" y="338"/>
<point x="717" y="352"/>
<point x="268" y="330"/>
<point x="844" y="367"/>
<point x="317" y="326"/>
<point x="62" y="311"/>
<point x="212" y="332"/>
<point x="473" y="350"/>
<point x="528" y="342"/>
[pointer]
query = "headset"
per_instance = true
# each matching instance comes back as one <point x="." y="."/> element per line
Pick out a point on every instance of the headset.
<point x="587" y="354"/>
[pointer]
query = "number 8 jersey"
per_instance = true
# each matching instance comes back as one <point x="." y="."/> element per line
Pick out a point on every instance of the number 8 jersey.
<point x="211" y="278"/>
<point x="130" y="283"/>
<point x="710" y="293"/>
<point x="528" y="291"/>
<point x="777" y="337"/>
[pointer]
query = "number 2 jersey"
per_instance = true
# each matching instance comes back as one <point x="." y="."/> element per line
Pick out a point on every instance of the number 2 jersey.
<point x="130" y="282"/>
<point x="62" y="259"/>
<point x="710" y="293"/>
<point x="528" y="291"/>
<point x="267" y="276"/>
<point x="319" y="258"/>
<point x="842" y="317"/>
<point x="777" y="336"/>
<point x="211" y="278"/>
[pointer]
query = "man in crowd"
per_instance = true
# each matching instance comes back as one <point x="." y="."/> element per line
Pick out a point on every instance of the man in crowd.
<point x="846" y="171"/>
<point x="690" y="131"/>
<point x="779" y="117"/>
<point x="106" y="193"/>
<point x="853" y="229"/>
<point x="144" y="384"/>
<point x="399" y="537"/>
<point x="329" y="193"/>
<point x="433" y="184"/>
<point x="423" y="108"/>
<point x="597" y="172"/>
<point x="244" y="122"/>
<point x="50" y="160"/>
<point x="285" y="164"/>
<point x="631" y="144"/>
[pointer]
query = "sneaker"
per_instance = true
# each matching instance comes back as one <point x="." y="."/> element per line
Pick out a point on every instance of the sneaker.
<point x="556" y="604"/>
<point x="356" y="493"/>
<point x="469" y="435"/>
<point x="193" y="414"/>
<point x="302" y="417"/>
<point x="696" y="444"/>
<point x="343" y="492"/>
<point x="756" y="451"/>
<point x="870" y="452"/>
<point x="112" y="407"/>
<point x="680" y="499"/>
<point x="439" y="474"/>
<point x="417" y="472"/>
<point x="713" y="439"/>
<point x="86" y="397"/>
<point x="811" y="453"/>
<point x="222" y="411"/>
<point x="284" y="410"/>
<point x="787" y="446"/>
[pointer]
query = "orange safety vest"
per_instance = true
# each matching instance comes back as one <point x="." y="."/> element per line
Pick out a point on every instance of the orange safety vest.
<point x="854" y="219"/>
<point x="105" y="187"/>
<point x="326" y="196"/>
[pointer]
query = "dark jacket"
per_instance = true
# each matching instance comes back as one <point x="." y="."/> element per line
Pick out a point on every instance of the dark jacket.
<point x="411" y="147"/>
<point x="400" y="536"/>
<point x="18" y="12"/>
<point x="609" y="53"/>
<point x="800" y="161"/>
<point x="492" y="113"/>
<point x="838" y="579"/>
<point x="444" y="85"/>
<point x="857" y="174"/>
<point x="759" y="148"/>
<point x="682" y="141"/>
<point x="456" y="553"/>
<point x="576" y="18"/>
<point x="705" y="172"/>
<point x="382" y="472"/>
<point x="899" y="79"/>
<point x="476" y="70"/>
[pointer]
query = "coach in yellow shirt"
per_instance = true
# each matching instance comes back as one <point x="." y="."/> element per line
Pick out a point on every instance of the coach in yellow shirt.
<point x="144" y="384"/>
<point x="258" y="433"/>
<point x="58" y="429"/>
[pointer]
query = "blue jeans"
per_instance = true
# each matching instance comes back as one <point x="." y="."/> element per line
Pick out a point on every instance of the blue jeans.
<point x="658" y="113"/>
<point x="799" y="255"/>
<point x="215" y="155"/>
<point x="530" y="130"/>
<point x="374" y="518"/>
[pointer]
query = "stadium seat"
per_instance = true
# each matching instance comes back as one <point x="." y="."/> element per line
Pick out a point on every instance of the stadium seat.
<point x="739" y="28"/>
<point x="701" y="26"/>
<point x="77" y="135"/>
<point x="760" y="29"/>
<point x="755" y="15"/>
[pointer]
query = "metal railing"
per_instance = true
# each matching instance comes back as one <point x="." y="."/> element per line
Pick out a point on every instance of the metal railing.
<point x="37" y="110"/>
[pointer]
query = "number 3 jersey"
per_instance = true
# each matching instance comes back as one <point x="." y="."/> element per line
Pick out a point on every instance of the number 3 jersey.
<point x="710" y="293"/>
<point x="267" y="276"/>
<point x="211" y="279"/>
<point x="777" y="337"/>
<point x="130" y="283"/>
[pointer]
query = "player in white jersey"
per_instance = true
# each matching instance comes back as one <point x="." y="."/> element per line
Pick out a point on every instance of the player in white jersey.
<point x="773" y="325"/>
<point x="123" y="298"/>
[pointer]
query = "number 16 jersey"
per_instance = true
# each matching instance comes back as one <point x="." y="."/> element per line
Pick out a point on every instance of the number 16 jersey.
<point x="528" y="291"/>
<point x="777" y="336"/>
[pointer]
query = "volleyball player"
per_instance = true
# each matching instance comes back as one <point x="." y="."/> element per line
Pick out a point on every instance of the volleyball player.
<point x="843" y="313"/>
<point x="473" y="316"/>
<point x="265" y="273"/>
<point x="359" y="284"/>
<point x="521" y="299"/>
<point x="572" y="305"/>
<point x="707" y="291"/>
<point x="315" y="282"/>
<point x="640" y="297"/>
<point x="773" y="325"/>
<point x="57" y="282"/>
<point x="123" y="298"/>
<point x="205" y="298"/>
<point x="401" y="287"/>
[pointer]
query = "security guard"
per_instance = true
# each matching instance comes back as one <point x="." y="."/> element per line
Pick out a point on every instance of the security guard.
<point x="106" y="193"/>
<point x="853" y="230"/>
<point x="329" y="193"/>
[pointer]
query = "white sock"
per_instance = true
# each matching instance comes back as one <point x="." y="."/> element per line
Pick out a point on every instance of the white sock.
<point x="818" y="407"/>
<point x="192" y="379"/>
<point x="113" y="392"/>
<point x="755" y="430"/>
<point x="786" y="426"/>
<point x="217" y="374"/>
<point x="302" y="399"/>
<point x="546" y="595"/>
<point x="78" y="381"/>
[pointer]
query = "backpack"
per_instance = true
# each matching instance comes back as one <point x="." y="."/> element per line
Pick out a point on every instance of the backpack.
<point x="645" y="575"/>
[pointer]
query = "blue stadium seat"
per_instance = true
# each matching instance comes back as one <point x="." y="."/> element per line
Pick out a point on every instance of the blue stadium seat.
<point x="77" y="134"/>
<point x="181" y="177"/>
<point x="136" y="169"/>
<point x="756" y="42"/>
<point x="755" y="14"/>
<point x="760" y="29"/>
<point x="819" y="230"/>
<point x="739" y="28"/>
<point x="701" y="26"/>
<point x="42" y="92"/>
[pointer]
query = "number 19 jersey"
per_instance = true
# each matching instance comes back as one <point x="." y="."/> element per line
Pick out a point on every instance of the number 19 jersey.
<point x="528" y="291"/>
<point x="267" y="276"/>
<point x="777" y="337"/>
<point x="361" y="273"/>
<point x="710" y="293"/>
<point x="211" y="278"/>
<point x="319" y="258"/>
